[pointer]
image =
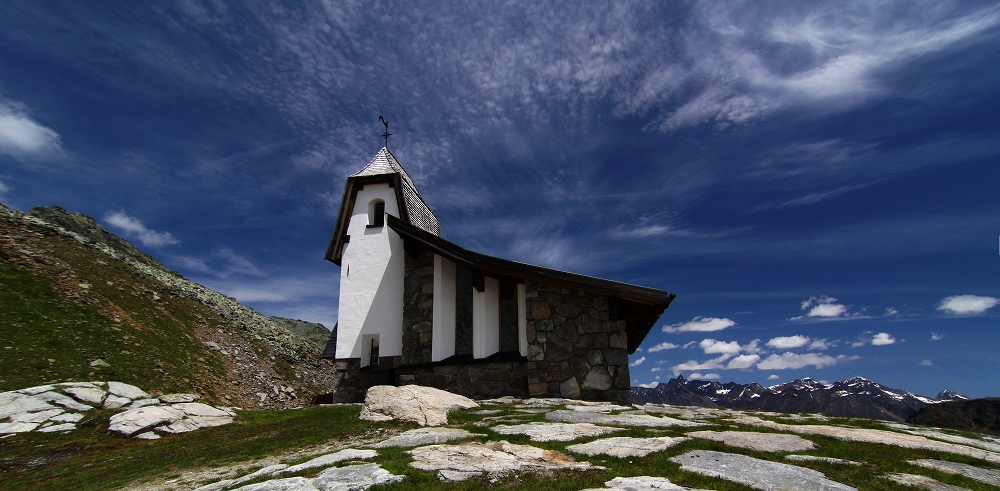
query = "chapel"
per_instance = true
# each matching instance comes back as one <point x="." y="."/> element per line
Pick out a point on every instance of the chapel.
<point x="418" y="309"/>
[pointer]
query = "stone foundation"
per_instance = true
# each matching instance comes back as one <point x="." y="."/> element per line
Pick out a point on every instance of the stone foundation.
<point x="476" y="380"/>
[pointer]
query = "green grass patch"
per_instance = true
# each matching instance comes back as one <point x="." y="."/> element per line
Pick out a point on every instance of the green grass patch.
<point x="92" y="459"/>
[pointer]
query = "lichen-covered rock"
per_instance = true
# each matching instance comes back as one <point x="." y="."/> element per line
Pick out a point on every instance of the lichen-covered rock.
<point x="425" y="436"/>
<point x="560" y="432"/>
<point x="756" y="473"/>
<point x="923" y="482"/>
<point x="425" y="406"/>
<point x="496" y="459"/>
<point x="623" y="446"/>
<point x="617" y="419"/>
<point x="763" y="442"/>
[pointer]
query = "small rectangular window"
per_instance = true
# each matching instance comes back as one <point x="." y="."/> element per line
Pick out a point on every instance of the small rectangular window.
<point x="378" y="219"/>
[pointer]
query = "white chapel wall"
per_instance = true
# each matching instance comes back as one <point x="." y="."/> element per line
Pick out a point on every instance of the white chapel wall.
<point x="486" y="319"/>
<point x="443" y="336"/>
<point x="371" y="280"/>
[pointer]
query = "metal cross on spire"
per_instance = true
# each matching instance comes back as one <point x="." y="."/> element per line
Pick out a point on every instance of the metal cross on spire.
<point x="385" y="135"/>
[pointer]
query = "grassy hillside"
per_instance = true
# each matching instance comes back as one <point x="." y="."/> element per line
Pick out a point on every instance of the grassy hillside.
<point x="980" y="415"/>
<point x="79" y="303"/>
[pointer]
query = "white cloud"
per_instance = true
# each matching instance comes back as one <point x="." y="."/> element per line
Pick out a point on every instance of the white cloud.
<point x="937" y="337"/>
<point x="742" y="361"/>
<point x="773" y="377"/>
<point x="637" y="362"/>
<point x="132" y="227"/>
<point x="882" y="339"/>
<point x="822" y="344"/>
<point x="662" y="346"/>
<point x="706" y="376"/>
<point x="713" y="364"/>
<point x="4" y="189"/>
<point x="701" y="324"/>
<point x="712" y="346"/>
<point x="794" y="360"/>
<point x="786" y="342"/>
<point x="827" y="310"/>
<point x="21" y="136"/>
<point x="890" y="311"/>
<point x="650" y="385"/>
<point x="967" y="304"/>
<point x="824" y="308"/>
<point x="926" y="363"/>
<point x="655" y="369"/>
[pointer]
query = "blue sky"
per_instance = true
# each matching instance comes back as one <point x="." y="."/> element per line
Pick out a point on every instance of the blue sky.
<point x="817" y="182"/>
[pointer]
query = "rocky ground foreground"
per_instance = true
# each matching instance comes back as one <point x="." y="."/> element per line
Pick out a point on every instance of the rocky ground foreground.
<point x="440" y="440"/>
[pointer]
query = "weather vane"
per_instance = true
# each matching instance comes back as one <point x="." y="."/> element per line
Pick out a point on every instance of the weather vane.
<point x="385" y="135"/>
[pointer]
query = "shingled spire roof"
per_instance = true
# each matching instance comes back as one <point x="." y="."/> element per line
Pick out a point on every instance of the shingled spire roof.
<point x="420" y="214"/>
<point x="412" y="208"/>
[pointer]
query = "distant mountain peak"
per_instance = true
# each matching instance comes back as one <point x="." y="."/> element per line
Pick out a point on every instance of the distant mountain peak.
<point x="852" y="397"/>
<point x="950" y="395"/>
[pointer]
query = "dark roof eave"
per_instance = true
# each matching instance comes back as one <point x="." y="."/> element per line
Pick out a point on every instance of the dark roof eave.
<point x="649" y="296"/>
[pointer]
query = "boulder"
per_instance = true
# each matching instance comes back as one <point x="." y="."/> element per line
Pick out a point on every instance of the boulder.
<point x="89" y="395"/>
<point x="134" y="421"/>
<point x="127" y="391"/>
<point x="425" y="406"/>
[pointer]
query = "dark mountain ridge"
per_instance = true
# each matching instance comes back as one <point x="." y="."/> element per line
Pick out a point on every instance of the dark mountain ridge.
<point x="856" y="397"/>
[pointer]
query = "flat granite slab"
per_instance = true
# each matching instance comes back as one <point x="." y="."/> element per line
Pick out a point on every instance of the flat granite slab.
<point x="569" y="416"/>
<point x="496" y="459"/>
<point x="558" y="432"/>
<point x="756" y="473"/>
<point x="641" y="483"/>
<point x="425" y="436"/>
<point x="764" y="442"/>
<point x="923" y="482"/>
<point x="623" y="446"/>
<point x="988" y="476"/>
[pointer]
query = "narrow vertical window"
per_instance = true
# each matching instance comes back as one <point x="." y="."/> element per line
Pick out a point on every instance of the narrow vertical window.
<point x="463" y="311"/>
<point x="376" y="213"/>
<point x="508" y="317"/>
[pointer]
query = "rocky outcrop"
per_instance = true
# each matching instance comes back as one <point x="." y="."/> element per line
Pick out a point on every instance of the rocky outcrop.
<point x="58" y="407"/>
<point x="148" y="422"/>
<point x="425" y="406"/>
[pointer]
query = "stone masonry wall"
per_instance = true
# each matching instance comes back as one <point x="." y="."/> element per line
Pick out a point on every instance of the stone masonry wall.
<point x="575" y="348"/>
<point x="476" y="380"/>
<point x="418" y="306"/>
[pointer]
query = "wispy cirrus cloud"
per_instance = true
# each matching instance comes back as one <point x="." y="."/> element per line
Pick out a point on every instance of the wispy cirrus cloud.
<point x="789" y="360"/>
<point x="132" y="227"/>
<point x="701" y="324"/>
<point x="21" y="136"/>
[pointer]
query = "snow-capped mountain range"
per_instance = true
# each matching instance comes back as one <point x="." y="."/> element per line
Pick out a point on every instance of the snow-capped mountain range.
<point x="853" y="397"/>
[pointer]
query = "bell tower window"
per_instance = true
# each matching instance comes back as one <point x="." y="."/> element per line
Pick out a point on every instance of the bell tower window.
<point x="376" y="213"/>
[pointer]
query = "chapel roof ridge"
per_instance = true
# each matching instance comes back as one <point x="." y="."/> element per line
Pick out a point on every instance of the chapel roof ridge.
<point x="385" y="163"/>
